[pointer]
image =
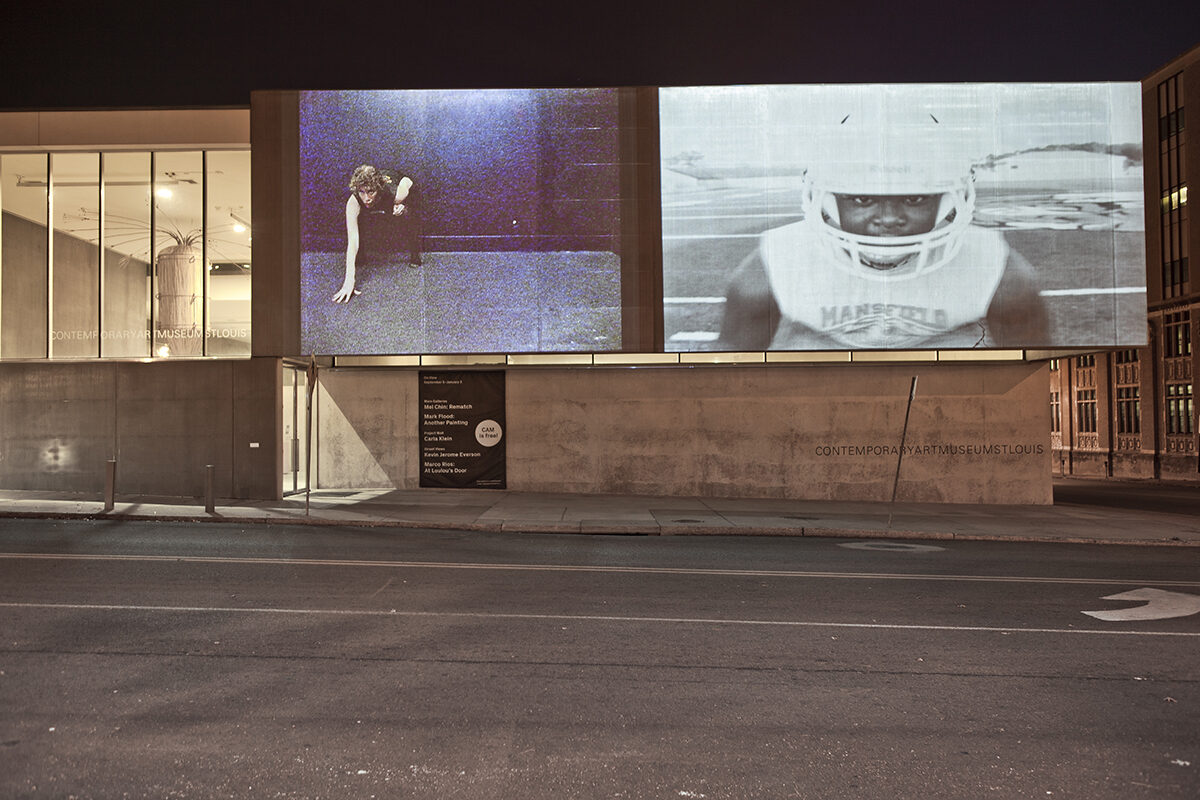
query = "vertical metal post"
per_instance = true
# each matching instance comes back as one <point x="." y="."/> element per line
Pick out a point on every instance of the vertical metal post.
<point x="152" y="259"/>
<point x="101" y="231"/>
<point x="204" y="276"/>
<point x="209" y="505"/>
<point x="310" y="386"/>
<point x="1" y="260"/>
<point x="110" y="484"/>
<point x="296" y="426"/>
<point x="912" y="393"/>
<point x="50" y="255"/>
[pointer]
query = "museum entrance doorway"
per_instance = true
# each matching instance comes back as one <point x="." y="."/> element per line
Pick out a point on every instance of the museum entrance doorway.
<point x="295" y="429"/>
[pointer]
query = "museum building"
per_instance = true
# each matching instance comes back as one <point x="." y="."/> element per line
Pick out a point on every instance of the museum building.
<point x="153" y="305"/>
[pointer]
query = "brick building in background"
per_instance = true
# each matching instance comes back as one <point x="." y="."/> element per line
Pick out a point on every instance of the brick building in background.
<point x="1132" y="413"/>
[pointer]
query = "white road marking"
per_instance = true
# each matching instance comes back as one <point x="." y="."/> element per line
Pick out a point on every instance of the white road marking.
<point x="581" y="618"/>
<point x="752" y="573"/>
<point x="386" y="584"/>
<point x="894" y="547"/>
<point x="1091" y="291"/>
<point x="1159" y="605"/>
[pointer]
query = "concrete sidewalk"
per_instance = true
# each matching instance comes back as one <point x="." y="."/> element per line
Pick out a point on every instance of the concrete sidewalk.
<point x="529" y="512"/>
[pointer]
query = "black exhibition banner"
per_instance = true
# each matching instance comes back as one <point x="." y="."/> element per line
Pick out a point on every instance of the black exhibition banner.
<point x="462" y="430"/>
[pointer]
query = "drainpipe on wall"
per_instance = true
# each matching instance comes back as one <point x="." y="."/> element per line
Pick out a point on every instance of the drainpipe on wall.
<point x="1112" y="412"/>
<point x="1072" y="417"/>
<point x="1154" y="389"/>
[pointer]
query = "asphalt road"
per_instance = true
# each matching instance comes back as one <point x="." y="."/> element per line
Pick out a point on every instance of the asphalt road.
<point x="171" y="660"/>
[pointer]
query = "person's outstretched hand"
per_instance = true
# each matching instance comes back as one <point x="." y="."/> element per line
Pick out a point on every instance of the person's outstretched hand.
<point x="346" y="292"/>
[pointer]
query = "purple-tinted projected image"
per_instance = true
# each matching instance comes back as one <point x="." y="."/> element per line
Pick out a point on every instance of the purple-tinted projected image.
<point x="460" y="221"/>
<point x="902" y="217"/>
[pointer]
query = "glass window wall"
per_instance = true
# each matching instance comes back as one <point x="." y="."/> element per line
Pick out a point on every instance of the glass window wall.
<point x="125" y="254"/>
<point x="24" y="249"/>
<point x="178" y="254"/>
<point x="75" y="255"/>
<point x="227" y="247"/>
<point x="126" y="317"/>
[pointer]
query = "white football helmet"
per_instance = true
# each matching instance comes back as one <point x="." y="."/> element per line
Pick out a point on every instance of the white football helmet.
<point x="904" y="154"/>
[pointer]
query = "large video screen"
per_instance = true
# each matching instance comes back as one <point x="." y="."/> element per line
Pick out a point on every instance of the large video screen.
<point x="846" y="217"/>
<point x="460" y="221"/>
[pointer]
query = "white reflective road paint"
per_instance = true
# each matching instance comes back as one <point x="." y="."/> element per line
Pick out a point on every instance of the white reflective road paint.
<point x="754" y="573"/>
<point x="1159" y="605"/>
<point x="893" y="547"/>
<point x="336" y="612"/>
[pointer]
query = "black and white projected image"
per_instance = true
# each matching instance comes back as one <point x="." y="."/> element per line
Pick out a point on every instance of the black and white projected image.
<point x="459" y="221"/>
<point x="902" y="216"/>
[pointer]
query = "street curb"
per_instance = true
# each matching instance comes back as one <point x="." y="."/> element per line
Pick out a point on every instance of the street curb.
<point x="594" y="527"/>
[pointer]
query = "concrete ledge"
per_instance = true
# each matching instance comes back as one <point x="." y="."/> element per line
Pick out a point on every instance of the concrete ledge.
<point x="697" y="529"/>
<point x="593" y="529"/>
<point x="519" y="526"/>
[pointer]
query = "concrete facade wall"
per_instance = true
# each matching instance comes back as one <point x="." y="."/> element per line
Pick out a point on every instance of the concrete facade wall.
<point x="198" y="128"/>
<point x="366" y="431"/>
<point x="1138" y="466"/>
<point x="977" y="433"/>
<point x="275" y="279"/>
<point x="162" y="422"/>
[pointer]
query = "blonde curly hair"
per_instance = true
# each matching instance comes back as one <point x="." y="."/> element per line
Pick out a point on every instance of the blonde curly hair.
<point x="367" y="177"/>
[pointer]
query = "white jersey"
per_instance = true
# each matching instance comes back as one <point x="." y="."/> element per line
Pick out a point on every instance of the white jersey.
<point x="824" y="306"/>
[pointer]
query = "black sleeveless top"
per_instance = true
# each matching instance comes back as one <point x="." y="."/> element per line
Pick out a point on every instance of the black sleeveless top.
<point x="386" y="197"/>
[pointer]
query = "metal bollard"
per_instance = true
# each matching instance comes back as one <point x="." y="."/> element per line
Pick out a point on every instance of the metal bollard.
<point x="209" y="505"/>
<point x="110" y="485"/>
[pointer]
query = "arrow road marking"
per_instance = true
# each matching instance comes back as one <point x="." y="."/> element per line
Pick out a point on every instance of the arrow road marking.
<point x="1159" y="605"/>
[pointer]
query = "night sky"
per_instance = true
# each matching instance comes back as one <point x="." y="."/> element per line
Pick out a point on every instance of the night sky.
<point x="69" y="55"/>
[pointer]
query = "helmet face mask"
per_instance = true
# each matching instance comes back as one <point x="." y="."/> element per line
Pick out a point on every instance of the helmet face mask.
<point x="888" y="181"/>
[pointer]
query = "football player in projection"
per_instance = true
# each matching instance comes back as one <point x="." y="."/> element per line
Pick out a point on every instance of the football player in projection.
<point x="381" y="193"/>
<point x="886" y="255"/>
